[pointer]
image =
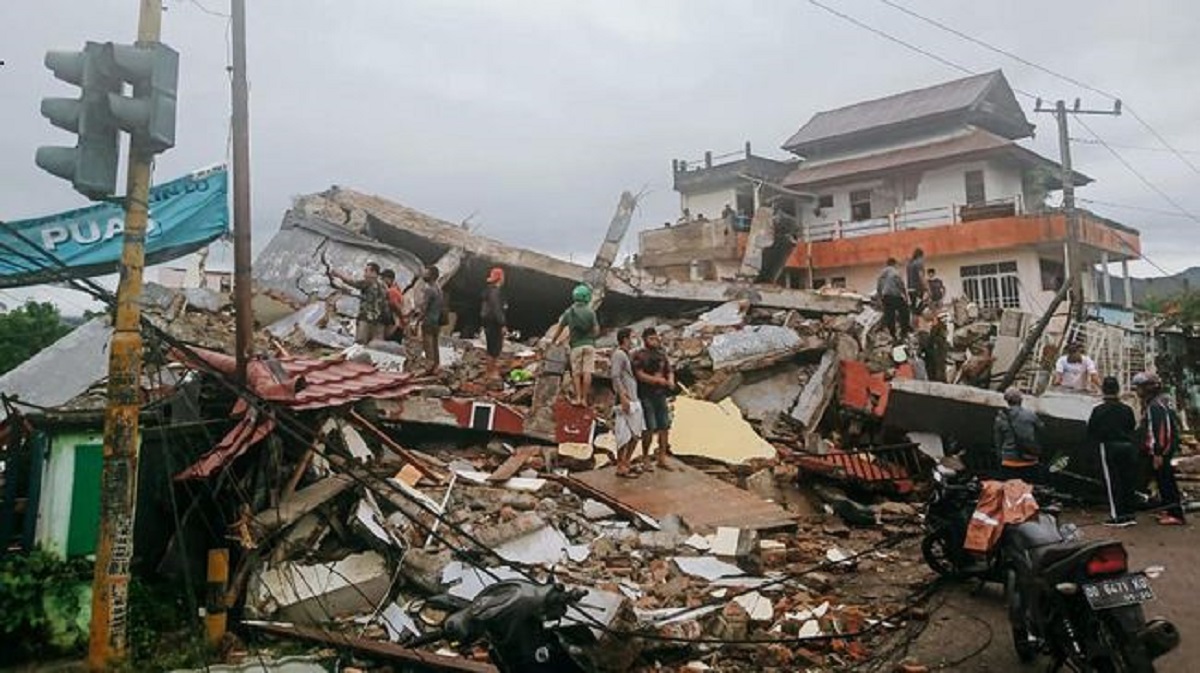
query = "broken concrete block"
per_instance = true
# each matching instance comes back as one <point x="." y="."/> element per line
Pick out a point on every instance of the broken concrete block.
<point x="715" y="431"/>
<point x="818" y="392"/>
<point x="594" y="510"/>
<point x="706" y="567"/>
<point x="762" y="484"/>
<point x="758" y="607"/>
<point x="300" y="503"/>
<point x="321" y="592"/>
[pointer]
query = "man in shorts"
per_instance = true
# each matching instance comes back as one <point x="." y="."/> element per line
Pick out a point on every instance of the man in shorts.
<point x="656" y="382"/>
<point x="628" y="422"/>
<point x="580" y="321"/>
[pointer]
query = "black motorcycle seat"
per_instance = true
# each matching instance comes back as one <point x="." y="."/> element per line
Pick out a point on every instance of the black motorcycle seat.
<point x="1048" y="555"/>
<point x="1035" y="533"/>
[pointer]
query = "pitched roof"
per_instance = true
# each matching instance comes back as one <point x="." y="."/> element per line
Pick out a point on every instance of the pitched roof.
<point x="961" y="95"/>
<point x="974" y="142"/>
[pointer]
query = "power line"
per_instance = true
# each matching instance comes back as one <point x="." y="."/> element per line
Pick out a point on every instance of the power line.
<point x="1140" y="148"/>
<point x="1146" y="181"/>
<point x="1127" y="206"/>
<point x="1053" y="73"/>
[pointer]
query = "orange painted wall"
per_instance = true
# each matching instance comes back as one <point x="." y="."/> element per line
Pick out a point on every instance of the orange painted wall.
<point x="952" y="239"/>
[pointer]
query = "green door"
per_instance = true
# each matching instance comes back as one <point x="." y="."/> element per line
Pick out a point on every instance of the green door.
<point x="85" y="500"/>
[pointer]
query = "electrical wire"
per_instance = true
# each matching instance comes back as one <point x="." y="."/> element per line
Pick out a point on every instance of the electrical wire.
<point x="1053" y="73"/>
<point x="1140" y="148"/>
<point x="1146" y="181"/>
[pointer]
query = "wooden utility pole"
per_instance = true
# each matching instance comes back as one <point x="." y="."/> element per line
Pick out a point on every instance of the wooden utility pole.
<point x="241" y="193"/>
<point x="114" y="546"/>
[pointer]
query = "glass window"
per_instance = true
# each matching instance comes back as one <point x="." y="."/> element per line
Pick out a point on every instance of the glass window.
<point x="992" y="285"/>
<point x="976" y="195"/>
<point x="825" y="201"/>
<point x="860" y="205"/>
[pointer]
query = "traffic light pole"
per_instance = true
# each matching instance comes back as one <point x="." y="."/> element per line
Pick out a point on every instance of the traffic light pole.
<point x="114" y="547"/>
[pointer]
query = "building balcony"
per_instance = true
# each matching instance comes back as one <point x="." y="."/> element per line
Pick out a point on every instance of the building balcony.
<point x="958" y="230"/>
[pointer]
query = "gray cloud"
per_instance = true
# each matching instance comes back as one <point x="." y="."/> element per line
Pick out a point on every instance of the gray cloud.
<point x="537" y="113"/>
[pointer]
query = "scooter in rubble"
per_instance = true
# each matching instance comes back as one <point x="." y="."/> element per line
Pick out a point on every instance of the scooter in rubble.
<point x="512" y="616"/>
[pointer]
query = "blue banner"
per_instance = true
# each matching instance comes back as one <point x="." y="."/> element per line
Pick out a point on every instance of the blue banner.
<point x="185" y="215"/>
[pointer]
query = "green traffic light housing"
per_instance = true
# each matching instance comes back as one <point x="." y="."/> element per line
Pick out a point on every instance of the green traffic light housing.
<point x="91" y="165"/>
<point x="149" y="115"/>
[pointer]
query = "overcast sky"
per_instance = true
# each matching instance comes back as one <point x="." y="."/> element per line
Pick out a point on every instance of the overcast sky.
<point x="536" y="114"/>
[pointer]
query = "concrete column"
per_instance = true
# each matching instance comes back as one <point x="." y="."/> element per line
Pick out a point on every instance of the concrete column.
<point x="1127" y="282"/>
<point x="1106" y="278"/>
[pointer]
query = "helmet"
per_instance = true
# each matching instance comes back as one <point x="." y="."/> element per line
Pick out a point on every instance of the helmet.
<point x="582" y="293"/>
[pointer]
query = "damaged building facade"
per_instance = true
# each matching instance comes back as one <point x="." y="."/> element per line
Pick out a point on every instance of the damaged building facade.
<point x="939" y="168"/>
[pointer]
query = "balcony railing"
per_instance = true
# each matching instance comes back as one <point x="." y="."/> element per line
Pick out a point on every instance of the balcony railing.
<point x="914" y="219"/>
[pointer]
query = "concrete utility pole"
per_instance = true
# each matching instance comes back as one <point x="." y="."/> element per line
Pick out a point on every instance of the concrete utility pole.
<point x="1074" y="263"/>
<point x="241" y="193"/>
<point x="118" y="486"/>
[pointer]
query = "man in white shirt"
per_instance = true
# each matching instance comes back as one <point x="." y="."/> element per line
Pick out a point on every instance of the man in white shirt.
<point x="1076" y="371"/>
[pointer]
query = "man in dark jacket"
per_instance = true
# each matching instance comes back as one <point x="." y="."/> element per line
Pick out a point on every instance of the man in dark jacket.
<point x="1158" y="435"/>
<point x="1111" y="429"/>
<point x="894" y="299"/>
<point x="1016" y="433"/>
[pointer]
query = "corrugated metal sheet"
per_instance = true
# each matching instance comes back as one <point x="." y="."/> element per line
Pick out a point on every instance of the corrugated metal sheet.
<point x="63" y="371"/>
<point x="946" y="97"/>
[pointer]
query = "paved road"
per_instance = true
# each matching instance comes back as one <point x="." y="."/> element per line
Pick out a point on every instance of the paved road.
<point x="964" y="622"/>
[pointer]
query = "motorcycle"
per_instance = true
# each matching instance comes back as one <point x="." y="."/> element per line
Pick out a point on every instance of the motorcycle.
<point x="948" y="512"/>
<point x="512" y="616"/>
<point x="1077" y="601"/>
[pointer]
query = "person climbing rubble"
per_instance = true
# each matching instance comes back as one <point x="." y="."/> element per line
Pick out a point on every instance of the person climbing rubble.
<point x="373" y="313"/>
<point x="582" y="326"/>
<point x="894" y="299"/>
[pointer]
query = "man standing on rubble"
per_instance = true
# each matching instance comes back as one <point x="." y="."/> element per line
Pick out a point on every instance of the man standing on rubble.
<point x="890" y="288"/>
<point x="495" y="323"/>
<point x="430" y="316"/>
<point x="656" y="382"/>
<point x="1076" y="371"/>
<point x="395" y="300"/>
<point x="373" y="314"/>
<point x="1158" y="435"/>
<point x="628" y="422"/>
<point x="1016" y="433"/>
<point x="583" y="328"/>
<point x="918" y="289"/>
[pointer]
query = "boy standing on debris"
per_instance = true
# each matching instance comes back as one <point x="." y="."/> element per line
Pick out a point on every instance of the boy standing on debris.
<point x="890" y="288"/>
<point x="373" y="311"/>
<point x="495" y="323"/>
<point x="583" y="328"/>
<point x="430" y="317"/>
<point x="1111" y="429"/>
<point x="1016" y="433"/>
<point x="628" y="422"/>
<point x="1159" y="438"/>
<point x="656" y="382"/>
<point x="395" y="299"/>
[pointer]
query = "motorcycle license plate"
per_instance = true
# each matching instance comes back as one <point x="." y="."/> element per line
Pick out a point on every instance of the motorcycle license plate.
<point x="1117" y="592"/>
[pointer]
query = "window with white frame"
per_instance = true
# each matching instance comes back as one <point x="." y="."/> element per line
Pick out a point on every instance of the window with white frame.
<point x="992" y="285"/>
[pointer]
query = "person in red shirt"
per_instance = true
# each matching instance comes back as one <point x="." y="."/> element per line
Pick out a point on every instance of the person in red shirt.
<point x="395" y="300"/>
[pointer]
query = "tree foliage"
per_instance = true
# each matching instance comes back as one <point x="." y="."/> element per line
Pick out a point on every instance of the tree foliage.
<point x="1182" y="309"/>
<point x="26" y="330"/>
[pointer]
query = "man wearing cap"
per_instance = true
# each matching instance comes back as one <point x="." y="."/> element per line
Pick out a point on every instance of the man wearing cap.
<point x="1016" y="433"/>
<point x="1111" y="429"/>
<point x="1076" y="371"/>
<point x="492" y="310"/>
<point x="583" y="328"/>
<point x="1158" y="435"/>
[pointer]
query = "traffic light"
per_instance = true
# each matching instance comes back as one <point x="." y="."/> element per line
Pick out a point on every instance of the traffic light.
<point x="149" y="115"/>
<point x="91" y="165"/>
